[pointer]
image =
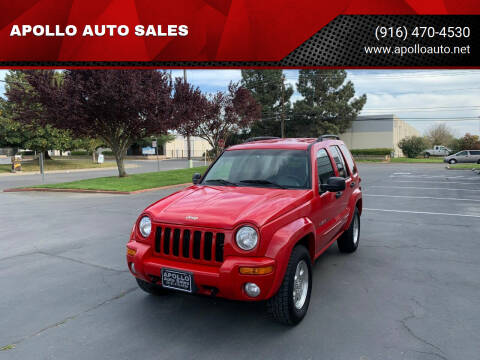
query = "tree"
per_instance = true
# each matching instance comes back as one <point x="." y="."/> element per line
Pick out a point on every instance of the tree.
<point x="189" y="109"/>
<point x="117" y="106"/>
<point x="439" y="134"/>
<point x="412" y="146"/>
<point x="228" y="113"/>
<point x="270" y="91"/>
<point x="467" y="142"/>
<point x="31" y="133"/>
<point x="328" y="106"/>
<point x="86" y="143"/>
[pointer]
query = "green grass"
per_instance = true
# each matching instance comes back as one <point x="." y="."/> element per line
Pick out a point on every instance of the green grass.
<point x="465" y="166"/>
<point x="132" y="182"/>
<point x="431" y="160"/>
<point x="54" y="164"/>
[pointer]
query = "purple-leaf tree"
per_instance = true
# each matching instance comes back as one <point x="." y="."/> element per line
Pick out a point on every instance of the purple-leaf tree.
<point x="189" y="109"/>
<point x="117" y="106"/>
<point x="228" y="113"/>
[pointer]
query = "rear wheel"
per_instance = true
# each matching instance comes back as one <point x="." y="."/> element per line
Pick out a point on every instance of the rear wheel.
<point x="151" y="288"/>
<point x="478" y="161"/>
<point x="426" y="155"/>
<point x="290" y="304"/>
<point x="348" y="242"/>
<point x="452" y="161"/>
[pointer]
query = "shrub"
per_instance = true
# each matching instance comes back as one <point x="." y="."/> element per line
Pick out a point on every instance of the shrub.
<point x="376" y="151"/>
<point x="79" y="153"/>
<point x="108" y="153"/>
<point x="412" y="146"/>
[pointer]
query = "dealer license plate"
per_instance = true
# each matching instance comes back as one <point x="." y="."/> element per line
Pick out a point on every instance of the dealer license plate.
<point x="178" y="280"/>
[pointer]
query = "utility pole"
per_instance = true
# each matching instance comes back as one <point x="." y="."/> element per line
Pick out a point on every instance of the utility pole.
<point x="282" y="124"/>
<point x="189" y="145"/>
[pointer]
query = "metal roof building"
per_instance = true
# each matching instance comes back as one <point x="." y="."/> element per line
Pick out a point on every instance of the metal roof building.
<point x="378" y="131"/>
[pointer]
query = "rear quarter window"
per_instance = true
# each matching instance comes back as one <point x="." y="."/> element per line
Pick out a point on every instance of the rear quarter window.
<point x="349" y="159"/>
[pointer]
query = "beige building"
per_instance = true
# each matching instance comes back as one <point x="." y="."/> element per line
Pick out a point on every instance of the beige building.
<point x="378" y="131"/>
<point x="178" y="148"/>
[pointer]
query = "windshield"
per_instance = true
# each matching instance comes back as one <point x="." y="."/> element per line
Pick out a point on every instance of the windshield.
<point x="276" y="168"/>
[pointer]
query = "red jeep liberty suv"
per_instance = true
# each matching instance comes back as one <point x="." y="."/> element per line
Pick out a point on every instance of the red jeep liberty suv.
<point x="251" y="227"/>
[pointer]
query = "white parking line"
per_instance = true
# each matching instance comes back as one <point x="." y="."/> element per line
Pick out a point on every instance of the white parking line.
<point x="422" y="197"/>
<point x="436" y="182"/>
<point x="419" y="188"/>
<point x="421" y="212"/>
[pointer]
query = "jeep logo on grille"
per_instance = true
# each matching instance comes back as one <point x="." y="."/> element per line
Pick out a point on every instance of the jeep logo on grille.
<point x="191" y="217"/>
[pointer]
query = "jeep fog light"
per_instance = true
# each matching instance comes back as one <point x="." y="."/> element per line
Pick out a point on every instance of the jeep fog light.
<point x="252" y="289"/>
<point x="145" y="226"/>
<point x="246" y="238"/>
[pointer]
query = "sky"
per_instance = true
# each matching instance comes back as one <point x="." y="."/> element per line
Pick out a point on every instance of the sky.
<point x="420" y="97"/>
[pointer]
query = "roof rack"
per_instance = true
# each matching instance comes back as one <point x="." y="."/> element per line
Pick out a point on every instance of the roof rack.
<point x="261" y="138"/>
<point x="327" y="136"/>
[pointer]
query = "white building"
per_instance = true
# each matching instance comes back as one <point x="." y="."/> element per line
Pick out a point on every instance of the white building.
<point x="178" y="148"/>
<point x="378" y="131"/>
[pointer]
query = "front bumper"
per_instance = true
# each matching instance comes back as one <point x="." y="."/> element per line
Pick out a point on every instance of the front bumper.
<point x="223" y="281"/>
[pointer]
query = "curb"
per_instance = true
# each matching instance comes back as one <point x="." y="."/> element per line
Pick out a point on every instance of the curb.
<point x="86" y="191"/>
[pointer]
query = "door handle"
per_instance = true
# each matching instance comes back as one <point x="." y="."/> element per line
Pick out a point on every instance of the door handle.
<point x="338" y="194"/>
<point x="352" y="184"/>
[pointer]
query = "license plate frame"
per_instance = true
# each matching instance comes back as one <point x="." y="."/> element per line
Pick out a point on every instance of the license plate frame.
<point x="177" y="280"/>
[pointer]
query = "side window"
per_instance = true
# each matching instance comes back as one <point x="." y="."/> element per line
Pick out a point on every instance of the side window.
<point x="462" y="153"/>
<point x="349" y="159"/>
<point x="324" y="166"/>
<point x="475" y="152"/>
<point x="337" y="157"/>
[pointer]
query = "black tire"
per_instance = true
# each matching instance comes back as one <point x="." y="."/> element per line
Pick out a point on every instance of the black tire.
<point x="282" y="305"/>
<point x="452" y="161"/>
<point x="348" y="242"/>
<point x="151" y="288"/>
<point x="478" y="161"/>
<point x="426" y="155"/>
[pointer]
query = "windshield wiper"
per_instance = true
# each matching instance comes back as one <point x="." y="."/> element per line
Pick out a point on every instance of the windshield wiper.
<point x="263" y="182"/>
<point x="222" y="181"/>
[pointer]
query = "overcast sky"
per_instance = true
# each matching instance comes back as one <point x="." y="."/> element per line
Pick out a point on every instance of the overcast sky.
<point x="420" y="97"/>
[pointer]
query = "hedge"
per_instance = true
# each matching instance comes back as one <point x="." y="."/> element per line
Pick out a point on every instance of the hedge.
<point x="108" y="153"/>
<point x="79" y="153"/>
<point x="377" y="151"/>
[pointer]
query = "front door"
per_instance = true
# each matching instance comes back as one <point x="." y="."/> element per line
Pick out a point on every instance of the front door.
<point x="326" y="206"/>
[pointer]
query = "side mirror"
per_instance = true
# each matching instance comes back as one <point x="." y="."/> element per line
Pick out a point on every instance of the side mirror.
<point x="333" y="184"/>
<point x="196" y="178"/>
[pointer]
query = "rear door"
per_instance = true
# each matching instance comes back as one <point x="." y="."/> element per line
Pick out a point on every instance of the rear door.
<point x="342" y="171"/>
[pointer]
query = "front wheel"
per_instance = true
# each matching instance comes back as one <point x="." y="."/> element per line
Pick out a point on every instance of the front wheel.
<point x="452" y="161"/>
<point x="290" y="304"/>
<point x="348" y="241"/>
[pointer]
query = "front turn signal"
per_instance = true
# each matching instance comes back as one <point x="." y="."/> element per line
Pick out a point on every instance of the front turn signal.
<point x="131" y="252"/>
<point x="244" y="270"/>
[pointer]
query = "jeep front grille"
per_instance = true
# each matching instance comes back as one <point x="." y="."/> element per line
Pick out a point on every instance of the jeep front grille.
<point x="189" y="244"/>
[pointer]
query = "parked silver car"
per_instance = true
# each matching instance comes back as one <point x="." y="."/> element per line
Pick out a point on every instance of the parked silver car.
<point x="464" y="156"/>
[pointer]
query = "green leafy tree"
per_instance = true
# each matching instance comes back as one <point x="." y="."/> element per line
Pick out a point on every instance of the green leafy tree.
<point x="269" y="89"/>
<point x="412" y="146"/>
<point x="88" y="144"/>
<point x="328" y="106"/>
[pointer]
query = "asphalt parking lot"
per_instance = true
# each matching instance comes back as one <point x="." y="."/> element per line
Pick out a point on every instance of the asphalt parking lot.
<point x="411" y="291"/>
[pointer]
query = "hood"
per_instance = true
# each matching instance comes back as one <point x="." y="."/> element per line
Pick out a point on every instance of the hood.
<point x="226" y="207"/>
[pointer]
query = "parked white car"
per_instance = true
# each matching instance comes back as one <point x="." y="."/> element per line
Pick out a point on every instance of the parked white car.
<point x="438" y="150"/>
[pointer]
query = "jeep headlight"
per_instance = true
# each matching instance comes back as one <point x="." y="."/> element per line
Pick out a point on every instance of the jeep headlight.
<point x="145" y="226"/>
<point x="246" y="238"/>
